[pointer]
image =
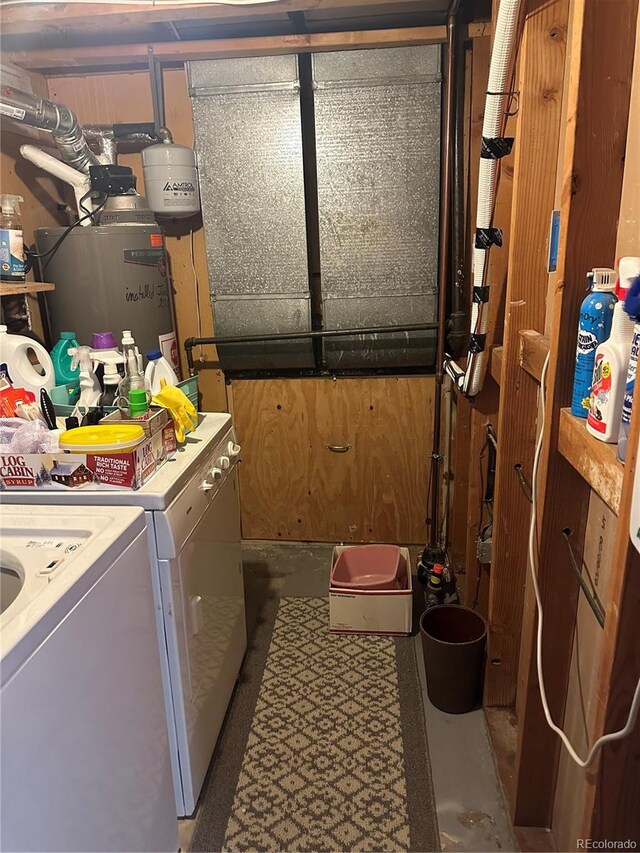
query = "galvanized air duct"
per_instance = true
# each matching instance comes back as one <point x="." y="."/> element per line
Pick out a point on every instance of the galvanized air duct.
<point x="57" y="119"/>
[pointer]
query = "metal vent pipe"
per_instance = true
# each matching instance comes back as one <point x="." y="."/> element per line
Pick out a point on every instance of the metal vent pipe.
<point x="56" y="119"/>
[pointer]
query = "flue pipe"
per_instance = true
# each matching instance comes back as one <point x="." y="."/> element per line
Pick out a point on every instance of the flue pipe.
<point x="56" y="119"/>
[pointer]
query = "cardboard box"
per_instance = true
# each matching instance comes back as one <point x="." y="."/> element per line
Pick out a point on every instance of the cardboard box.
<point x="91" y="471"/>
<point x="158" y="417"/>
<point x="364" y="611"/>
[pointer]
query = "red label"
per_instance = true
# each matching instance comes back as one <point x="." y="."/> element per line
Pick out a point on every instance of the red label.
<point x="115" y="470"/>
<point x="600" y="392"/>
<point x="156" y="241"/>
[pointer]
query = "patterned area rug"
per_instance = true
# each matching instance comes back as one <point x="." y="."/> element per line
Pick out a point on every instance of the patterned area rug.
<point x="334" y="754"/>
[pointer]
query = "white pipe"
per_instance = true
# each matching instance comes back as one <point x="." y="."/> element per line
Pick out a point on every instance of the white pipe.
<point x="78" y="180"/>
<point x="502" y="57"/>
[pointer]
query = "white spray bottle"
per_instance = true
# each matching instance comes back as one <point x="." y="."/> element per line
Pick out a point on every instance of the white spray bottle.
<point x="610" y="367"/>
<point x="90" y="389"/>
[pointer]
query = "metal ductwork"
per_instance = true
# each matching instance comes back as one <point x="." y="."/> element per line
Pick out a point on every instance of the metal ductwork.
<point x="54" y="118"/>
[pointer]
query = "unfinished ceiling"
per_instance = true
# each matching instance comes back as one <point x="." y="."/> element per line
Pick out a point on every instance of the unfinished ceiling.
<point x="42" y="26"/>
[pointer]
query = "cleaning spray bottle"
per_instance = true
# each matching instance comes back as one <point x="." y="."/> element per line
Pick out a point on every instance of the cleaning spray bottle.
<point x="632" y="307"/>
<point x="90" y="390"/>
<point x="11" y="239"/>
<point x="134" y="378"/>
<point x="610" y="368"/>
<point x="594" y="327"/>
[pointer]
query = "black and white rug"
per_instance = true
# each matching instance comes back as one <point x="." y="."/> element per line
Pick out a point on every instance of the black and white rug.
<point x="324" y="748"/>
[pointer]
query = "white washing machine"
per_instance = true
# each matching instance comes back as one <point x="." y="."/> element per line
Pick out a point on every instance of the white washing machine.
<point x="84" y="752"/>
<point x="193" y="517"/>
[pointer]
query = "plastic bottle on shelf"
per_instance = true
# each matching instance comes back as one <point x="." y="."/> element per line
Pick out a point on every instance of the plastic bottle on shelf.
<point x="110" y="380"/>
<point x="17" y="366"/>
<point x="11" y="239"/>
<point x="610" y="368"/>
<point x="632" y="268"/>
<point x="157" y="369"/>
<point x="594" y="327"/>
<point x="61" y="358"/>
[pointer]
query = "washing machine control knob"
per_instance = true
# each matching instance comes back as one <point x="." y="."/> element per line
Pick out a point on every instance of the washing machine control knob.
<point x="216" y="473"/>
<point x="233" y="449"/>
<point x="224" y="462"/>
<point x="206" y="486"/>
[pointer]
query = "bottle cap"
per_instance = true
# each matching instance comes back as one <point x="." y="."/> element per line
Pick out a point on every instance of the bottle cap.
<point x="438" y="569"/>
<point x="103" y="340"/>
<point x="604" y="279"/>
<point x="154" y="355"/>
<point x="629" y="268"/>
<point x="67" y="336"/>
<point x="127" y="338"/>
<point x="71" y="423"/>
<point x="138" y="402"/>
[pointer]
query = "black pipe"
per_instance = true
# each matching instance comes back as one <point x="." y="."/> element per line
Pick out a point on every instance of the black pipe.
<point x="220" y="340"/>
<point x="457" y="327"/>
<point x="443" y="266"/>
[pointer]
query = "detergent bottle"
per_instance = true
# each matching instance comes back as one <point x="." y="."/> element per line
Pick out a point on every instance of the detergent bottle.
<point x="157" y="369"/>
<point x="18" y="367"/>
<point x="90" y="390"/>
<point x="11" y="239"/>
<point x="631" y="267"/>
<point x="594" y="327"/>
<point x="610" y="368"/>
<point x="62" y="359"/>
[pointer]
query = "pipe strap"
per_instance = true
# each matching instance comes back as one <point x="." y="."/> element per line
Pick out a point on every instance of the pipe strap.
<point x="481" y="295"/>
<point x="487" y="237"/>
<point x="497" y="147"/>
<point x="477" y="343"/>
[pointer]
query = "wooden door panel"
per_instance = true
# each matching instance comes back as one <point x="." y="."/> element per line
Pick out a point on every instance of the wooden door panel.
<point x="293" y="488"/>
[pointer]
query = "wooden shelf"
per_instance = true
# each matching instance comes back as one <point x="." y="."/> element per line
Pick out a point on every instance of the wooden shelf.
<point x="9" y="288"/>
<point x="595" y="461"/>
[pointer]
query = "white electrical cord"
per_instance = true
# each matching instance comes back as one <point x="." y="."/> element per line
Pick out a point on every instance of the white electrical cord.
<point x="5" y="3"/>
<point x="533" y="565"/>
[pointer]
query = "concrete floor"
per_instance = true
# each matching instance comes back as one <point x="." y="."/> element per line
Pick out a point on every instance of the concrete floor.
<point x="472" y="815"/>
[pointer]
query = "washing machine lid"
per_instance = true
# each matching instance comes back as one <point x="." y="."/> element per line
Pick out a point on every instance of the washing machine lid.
<point x="158" y="493"/>
<point x="50" y="557"/>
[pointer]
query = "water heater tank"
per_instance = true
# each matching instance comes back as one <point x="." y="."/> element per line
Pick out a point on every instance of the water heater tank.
<point x="171" y="179"/>
<point x="109" y="278"/>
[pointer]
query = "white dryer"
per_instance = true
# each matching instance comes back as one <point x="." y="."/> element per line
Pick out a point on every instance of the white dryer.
<point x="84" y="753"/>
<point x="193" y="519"/>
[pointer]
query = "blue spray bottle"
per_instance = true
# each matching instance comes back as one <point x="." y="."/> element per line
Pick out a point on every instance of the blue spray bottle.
<point x="596" y="314"/>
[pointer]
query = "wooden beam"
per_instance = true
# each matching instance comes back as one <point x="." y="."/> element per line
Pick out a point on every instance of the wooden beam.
<point x="595" y="461"/>
<point x="497" y="354"/>
<point x="541" y="73"/>
<point x="534" y="348"/>
<point x="39" y="18"/>
<point x="595" y="128"/>
<point x="119" y="55"/>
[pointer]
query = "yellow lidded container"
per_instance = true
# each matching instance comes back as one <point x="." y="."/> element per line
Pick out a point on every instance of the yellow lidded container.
<point x="102" y="438"/>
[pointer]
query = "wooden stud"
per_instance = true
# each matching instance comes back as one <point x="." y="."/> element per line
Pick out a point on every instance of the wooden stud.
<point x="597" y="117"/>
<point x="534" y="348"/>
<point x="496" y="363"/>
<point x="541" y="71"/>
<point x="119" y="55"/>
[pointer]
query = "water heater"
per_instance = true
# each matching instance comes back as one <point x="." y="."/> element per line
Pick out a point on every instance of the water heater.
<point x="112" y="276"/>
<point x="171" y="179"/>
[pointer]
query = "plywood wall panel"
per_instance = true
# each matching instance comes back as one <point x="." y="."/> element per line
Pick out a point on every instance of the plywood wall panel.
<point x="293" y="487"/>
<point x="126" y="97"/>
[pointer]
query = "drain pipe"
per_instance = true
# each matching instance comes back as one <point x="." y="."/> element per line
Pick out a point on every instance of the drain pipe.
<point x="48" y="163"/>
<point x="57" y="119"/>
<point x="494" y="147"/>
<point x="443" y="269"/>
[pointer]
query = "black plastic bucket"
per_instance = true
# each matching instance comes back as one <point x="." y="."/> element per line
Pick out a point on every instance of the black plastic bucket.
<point x="453" y="642"/>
